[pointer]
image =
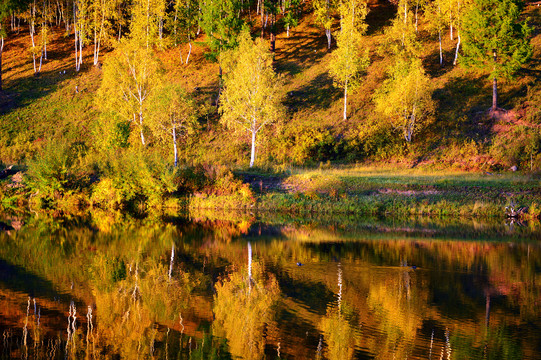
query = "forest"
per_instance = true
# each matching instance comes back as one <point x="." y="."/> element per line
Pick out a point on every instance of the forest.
<point x="116" y="103"/>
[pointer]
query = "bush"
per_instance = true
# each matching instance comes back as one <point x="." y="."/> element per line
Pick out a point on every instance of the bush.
<point x="57" y="170"/>
<point x="133" y="176"/>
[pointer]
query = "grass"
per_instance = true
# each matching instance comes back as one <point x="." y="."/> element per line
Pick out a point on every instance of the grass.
<point x="389" y="192"/>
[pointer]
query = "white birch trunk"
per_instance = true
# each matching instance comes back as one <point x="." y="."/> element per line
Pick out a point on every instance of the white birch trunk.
<point x="252" y="154"/>
<point x="141" y="127"/>
<point x="33" y="46"/>
<point x="345" y="100"/>
<point x="441" y="51"/>
<point x="328" y="33"/>
<point x="175" y="146"/>
<point x="172" y="254"/>
<point x="457" y="48"/>
<point x="189" y="52"/>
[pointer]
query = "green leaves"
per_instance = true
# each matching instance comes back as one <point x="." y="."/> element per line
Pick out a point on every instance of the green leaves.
<point x="494" y="27"/>
<point x="222" y="24"/>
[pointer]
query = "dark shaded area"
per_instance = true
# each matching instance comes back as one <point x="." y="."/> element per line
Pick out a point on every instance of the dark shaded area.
<point x="379" y="16"/>
<point x="319" y="93"/>
<point x="17" y="279"/>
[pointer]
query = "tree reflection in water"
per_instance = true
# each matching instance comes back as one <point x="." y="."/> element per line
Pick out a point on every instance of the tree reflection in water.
<point x="181" y="289"/>
<point x="243" y="306"/>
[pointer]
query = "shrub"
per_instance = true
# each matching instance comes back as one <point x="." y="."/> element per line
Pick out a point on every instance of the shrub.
<point x="57" y="169"/>
<point x="128" y="176"/>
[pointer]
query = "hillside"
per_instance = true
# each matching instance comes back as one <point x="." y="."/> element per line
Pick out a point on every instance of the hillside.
<point x="55" y="118"/>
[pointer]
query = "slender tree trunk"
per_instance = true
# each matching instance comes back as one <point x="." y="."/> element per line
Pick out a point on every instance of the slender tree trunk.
<point x="175" y="145"/>
<point x="441" y="51"/>
<point x="252" y="154"/>
<point x="33" y="47"/>
<point x="80" y="52"/>
<point x="273" y="42"/>
<point x="495" y="87"/>
<point x="171" y="263"/>
<point x="345" y="100"/>
<point x="494" y="94"/>
<point x="76" y="57"/>
<point x="328" y="33"/>
<point x="189" y="52"/>
<point x="457" y="48"/>
<point x="141" y="127"/>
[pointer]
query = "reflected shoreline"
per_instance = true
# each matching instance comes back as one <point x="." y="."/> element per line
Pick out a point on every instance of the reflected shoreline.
<point x="171" y="286"/>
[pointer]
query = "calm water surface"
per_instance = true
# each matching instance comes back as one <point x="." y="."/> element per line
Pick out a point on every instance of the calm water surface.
<point x="106" y="286"/>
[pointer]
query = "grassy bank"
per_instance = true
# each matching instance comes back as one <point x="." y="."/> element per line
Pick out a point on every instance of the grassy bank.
<point x="373" y="191"/>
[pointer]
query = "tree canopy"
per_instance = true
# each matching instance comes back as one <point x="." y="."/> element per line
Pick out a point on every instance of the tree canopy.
<point x="496" y="39"/>
<point x="251" y="97"/>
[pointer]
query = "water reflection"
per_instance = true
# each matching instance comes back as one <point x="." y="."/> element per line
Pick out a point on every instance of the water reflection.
<point x="173" y="288"/>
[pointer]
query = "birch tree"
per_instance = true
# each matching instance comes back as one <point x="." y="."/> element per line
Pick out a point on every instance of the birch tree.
<point x="324" y="11"/>
<point x="173" y="115"/>
<point x="102" y="13"/>
<point x="292" y="10"/>
<point x="80" y="29"/>
<point x="251" y="97"/>
<point x="401" y="37"/>
<point x="405" y="98"/>
<point x="437" y="16"/>
<point x="147" y="21"/>
<point x="184" y="25"/>
<point x="37" y="45"/>
<point x="496" y="39"/>
<point x="129" y="79"/>
<point x="347" y="60"/>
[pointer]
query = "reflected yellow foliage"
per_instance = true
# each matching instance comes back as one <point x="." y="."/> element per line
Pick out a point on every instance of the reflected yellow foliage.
<point x="242" y="310"/>
<point x="128" y="315"/>
<point x="401" y="303"/>
<point x="339" y="335"/>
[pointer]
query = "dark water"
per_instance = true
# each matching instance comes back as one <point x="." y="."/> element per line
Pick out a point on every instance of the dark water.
<point x="107" y="286"/>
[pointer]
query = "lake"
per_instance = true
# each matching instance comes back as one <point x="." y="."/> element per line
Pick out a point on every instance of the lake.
<point x="232" y="286"/>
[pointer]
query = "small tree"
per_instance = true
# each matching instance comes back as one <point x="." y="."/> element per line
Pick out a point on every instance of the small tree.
<point x="173" y="115"/>
<point x="292" y="11"/>
<point x="221" y="22"/>
<point x="323" y="11"/>
<point x="183" y="24"/>
<point x="401" y="36"/>
<point x="495" y="39"/>
<point x="438" y="17"/>
<point x="251" y="97"/>
<point x="405" y="98"/>
<point x="346" y="60"/>
<point x="129" y="79"/>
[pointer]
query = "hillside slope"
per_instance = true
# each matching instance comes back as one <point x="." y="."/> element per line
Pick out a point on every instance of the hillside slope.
<point x="60" y="104"/>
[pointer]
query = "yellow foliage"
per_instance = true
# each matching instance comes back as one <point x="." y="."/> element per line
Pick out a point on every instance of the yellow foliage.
<point x="243" y="310"/>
